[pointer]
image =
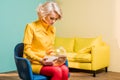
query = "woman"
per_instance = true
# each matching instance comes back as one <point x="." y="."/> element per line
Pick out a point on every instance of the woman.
<point x="39" y="40"/>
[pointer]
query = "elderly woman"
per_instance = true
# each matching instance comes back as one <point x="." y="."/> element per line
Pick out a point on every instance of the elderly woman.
<point x="39" y="40"/>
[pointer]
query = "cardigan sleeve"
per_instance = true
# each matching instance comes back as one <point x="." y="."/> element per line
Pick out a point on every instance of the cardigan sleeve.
<point x="28" y="37"/>
<point x="31" y="54"/>
<point x="28" y="34"/>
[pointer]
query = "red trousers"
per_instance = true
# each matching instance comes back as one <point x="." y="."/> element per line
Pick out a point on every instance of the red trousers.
<point x="56" y="72"/>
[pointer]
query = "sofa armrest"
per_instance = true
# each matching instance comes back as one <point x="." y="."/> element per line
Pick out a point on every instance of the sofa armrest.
<point x="100" y="56"/>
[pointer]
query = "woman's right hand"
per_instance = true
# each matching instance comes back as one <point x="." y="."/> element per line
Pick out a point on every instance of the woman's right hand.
<point x="46" y="63"/>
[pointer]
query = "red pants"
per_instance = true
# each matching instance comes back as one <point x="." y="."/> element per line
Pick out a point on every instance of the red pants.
<point x="56" y="72"/>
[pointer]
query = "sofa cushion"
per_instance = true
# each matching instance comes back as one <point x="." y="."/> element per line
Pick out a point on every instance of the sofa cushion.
<point x="71" y="56"/>
<point x="85" y="50"/>
<point x="81" y="43"/>
<point x="74" y="57"/>
<point x="67" y="43"/>
<point x="87" y="44"/>
<point x="83" y="57"/>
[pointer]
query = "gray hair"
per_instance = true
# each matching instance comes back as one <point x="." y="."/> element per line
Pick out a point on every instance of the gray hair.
<point x="45" y="9"/>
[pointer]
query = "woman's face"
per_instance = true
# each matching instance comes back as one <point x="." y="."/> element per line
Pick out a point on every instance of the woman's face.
<point x="51" y="18"/>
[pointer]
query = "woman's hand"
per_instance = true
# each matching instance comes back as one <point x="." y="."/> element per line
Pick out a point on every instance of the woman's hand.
<point x="45" y="62"/>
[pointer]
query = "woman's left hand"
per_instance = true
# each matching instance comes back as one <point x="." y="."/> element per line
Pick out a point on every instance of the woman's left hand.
<point x="46" y="63"/>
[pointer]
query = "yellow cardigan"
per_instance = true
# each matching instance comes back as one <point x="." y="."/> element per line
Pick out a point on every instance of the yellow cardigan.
<point x="38" y="38"/>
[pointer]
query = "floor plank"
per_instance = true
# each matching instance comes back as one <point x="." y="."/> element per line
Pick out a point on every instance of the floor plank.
<point x="73" y="76"/>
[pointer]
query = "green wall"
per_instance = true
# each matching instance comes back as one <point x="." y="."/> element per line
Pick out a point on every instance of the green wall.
<point x="14" y="15"/>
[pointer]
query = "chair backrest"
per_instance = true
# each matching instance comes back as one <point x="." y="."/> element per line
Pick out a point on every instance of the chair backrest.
<point x="19" y="50"/>
<point x="22" y="64"/>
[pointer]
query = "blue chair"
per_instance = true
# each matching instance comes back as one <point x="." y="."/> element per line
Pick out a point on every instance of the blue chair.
<point x="24" y="67"/>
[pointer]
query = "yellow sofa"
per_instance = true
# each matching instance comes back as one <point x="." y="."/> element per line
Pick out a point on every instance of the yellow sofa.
<point x="85" y="53"/>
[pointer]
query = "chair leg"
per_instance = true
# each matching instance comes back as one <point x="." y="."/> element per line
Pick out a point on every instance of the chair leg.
<point x="106" y="69"/>
<point x="94" y="73"/>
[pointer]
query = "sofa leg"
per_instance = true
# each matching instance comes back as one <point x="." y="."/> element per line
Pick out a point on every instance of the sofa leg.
<point x="106" y="69"/>
<point x="94" y="73"/>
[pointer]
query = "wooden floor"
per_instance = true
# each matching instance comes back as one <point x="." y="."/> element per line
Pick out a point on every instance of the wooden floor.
<point x="74" y="75"/>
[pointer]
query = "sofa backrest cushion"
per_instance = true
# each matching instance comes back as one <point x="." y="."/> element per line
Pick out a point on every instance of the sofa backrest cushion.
<point x="97" y="41"/>
<point x="84" y="45"/>
<point x="81" y="43"/>
<point x="67" y="43"/>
